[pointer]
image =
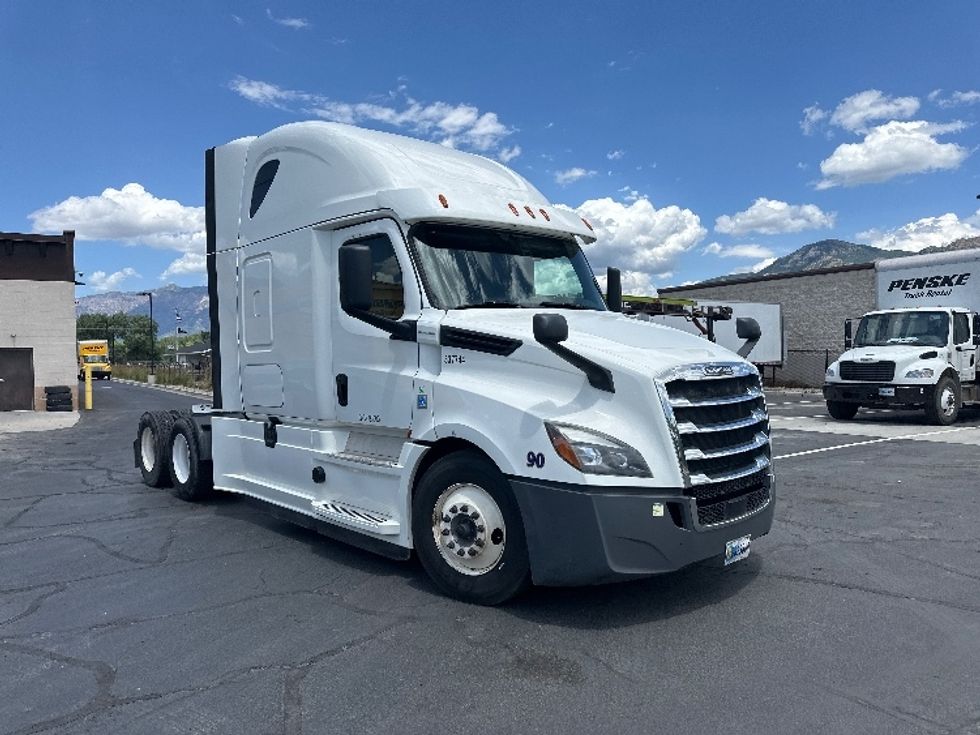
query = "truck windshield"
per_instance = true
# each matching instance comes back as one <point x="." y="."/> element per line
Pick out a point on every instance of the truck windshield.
<point x="923" y="328"/>
<point x="474" y="267"/>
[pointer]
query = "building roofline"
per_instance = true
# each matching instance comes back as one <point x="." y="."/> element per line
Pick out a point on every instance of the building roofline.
<point x="29" y="237"/>
<point x="768" y="277"/>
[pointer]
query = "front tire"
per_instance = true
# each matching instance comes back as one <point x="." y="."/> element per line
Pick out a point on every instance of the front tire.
<point x="841" y="410"/>
<point x="468" y="531"/>
<point x="944" y="408"/>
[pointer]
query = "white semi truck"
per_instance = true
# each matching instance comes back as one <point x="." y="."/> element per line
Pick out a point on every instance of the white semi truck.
<point x="919" y="348"/>
<point x="411" y="353"/>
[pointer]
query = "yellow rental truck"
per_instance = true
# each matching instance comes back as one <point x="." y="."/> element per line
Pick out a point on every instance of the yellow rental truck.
<point x="94" y="353"/>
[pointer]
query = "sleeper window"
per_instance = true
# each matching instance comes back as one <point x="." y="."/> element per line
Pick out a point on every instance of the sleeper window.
<point x="263" y="180"/>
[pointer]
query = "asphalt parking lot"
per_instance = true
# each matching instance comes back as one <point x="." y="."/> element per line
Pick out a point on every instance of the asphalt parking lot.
<point x="125" y="610"/>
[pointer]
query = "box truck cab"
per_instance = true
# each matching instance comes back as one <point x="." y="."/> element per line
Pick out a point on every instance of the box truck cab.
<point x="93" y="354"/>
<point x="919" y="349"/>
<point x="411" y="353"/>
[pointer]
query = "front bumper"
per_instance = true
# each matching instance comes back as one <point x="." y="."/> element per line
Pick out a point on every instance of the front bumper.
<point x="869" y="394"/>
<point x="579" y="535"/>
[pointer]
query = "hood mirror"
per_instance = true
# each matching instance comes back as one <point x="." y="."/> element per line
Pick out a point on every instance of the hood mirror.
<point x="550" y="329"/>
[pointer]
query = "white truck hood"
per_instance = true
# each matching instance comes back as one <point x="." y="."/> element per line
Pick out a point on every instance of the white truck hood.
<point x="608" y="338"/>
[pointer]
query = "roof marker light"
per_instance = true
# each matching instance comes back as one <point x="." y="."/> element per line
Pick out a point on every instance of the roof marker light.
<point x="443" y="201"/>
<point x="587" y="224"/>
<point x="529" y="211"/>
<point x="514" y="210"/>
<point x="545" y="215"/>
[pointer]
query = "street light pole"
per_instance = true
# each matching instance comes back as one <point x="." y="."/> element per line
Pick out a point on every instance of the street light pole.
<point x="152" y="336"/>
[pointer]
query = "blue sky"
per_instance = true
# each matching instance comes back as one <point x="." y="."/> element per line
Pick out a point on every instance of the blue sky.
<point x="701" y="138"/>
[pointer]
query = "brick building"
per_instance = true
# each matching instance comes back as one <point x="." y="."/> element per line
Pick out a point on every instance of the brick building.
<point x="814" y="306"/>
<point x="37" y="318"/>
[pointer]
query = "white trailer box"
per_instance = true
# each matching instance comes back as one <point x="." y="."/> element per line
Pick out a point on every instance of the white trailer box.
<point x="768" y="350"/>
<point x="941" y="279"/>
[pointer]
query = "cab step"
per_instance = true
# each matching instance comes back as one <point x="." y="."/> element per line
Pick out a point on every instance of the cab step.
<point x="349" y="516"/>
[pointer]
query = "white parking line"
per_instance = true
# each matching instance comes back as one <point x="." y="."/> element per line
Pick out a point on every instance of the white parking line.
<point x="873" y="441"/>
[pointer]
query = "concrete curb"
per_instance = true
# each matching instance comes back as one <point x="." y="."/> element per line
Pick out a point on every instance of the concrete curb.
<point x="167" y="388"/>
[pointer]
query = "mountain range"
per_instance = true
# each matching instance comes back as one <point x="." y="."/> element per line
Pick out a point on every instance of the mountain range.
<point x="834" y="253"/>
<point x="168" y="301"/>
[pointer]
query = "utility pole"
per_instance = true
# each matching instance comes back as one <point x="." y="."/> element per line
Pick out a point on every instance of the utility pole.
<point x="152" y="339"/>
<point x="176" y="333"/>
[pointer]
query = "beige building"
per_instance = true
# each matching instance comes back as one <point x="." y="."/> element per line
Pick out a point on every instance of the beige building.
<point x="37" y="318"/>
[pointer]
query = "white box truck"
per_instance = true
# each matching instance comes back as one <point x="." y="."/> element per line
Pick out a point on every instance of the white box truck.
<point x="919" y="348"/>
<point x="411" y="353"/>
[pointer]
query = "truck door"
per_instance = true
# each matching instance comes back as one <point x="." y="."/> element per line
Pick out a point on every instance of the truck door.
<point x="964" y="351"/>
<point x="374" y="373"/>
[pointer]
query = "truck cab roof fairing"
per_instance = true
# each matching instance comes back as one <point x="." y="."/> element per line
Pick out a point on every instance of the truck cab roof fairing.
<point x="330" y="170"/>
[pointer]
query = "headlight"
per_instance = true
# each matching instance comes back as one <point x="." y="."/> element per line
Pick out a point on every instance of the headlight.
<point x="595" y="453"/>
<point x="919" y="374"/>
<point x="830" y="372"/>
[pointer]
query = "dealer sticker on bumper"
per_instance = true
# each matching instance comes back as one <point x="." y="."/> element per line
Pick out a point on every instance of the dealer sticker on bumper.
<point x="886" y="392"/>
<point x="737" y="549"/>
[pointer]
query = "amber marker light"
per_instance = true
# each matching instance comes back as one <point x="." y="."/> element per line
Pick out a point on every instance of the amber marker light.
<point x="443" y="201"/>
<point x="562" y="446"/>
<point x="587" y="224"/>
<point x="529" y="211"/>
<point x="545" y="215"/>
<point x="514" y="210"/>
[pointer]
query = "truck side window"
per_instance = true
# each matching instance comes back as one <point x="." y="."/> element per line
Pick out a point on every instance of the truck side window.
<point x="263" y="180"/>
<point x="386" y="277"/>
<point x="961" y="329"/>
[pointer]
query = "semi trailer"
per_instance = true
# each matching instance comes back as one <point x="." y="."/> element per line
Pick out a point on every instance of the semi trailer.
<point x="918" y="349"/>
<point x="411" y="353"/>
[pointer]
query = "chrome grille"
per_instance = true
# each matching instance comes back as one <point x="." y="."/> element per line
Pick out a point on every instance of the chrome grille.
<point x="873" y="371"/>
<point x="723" y="436"/>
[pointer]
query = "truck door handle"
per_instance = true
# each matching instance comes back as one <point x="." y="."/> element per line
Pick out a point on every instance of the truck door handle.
<point x="342" y="389"/>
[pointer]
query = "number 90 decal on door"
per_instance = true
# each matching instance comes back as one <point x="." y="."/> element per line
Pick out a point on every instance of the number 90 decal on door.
<point x="535" y="459"/>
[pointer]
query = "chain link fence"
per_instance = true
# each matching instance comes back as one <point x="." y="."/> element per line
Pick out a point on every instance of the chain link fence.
<point x="801" y="369"/>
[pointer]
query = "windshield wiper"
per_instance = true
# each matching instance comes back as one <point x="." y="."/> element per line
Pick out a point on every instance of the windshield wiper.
<point x="492" y="305"/>
<point x="564" y="305"/>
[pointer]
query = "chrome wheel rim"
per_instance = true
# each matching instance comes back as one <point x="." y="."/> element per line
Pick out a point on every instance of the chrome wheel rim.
<point x="148" y="450"/>
<point x="468" y="529"/>
<point x="947" y="401"/>
<point x="182" y="459"/>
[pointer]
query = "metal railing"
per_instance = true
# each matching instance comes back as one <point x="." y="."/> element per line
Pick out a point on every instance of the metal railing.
<point x="801" y="369"/>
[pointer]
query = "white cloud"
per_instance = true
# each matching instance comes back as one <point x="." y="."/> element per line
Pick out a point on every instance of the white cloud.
<point x="572" y="174"/>
<point x="131" y="215"/>
<point x="923" y="233"/>
<point x="636" y="283"/>
<point x="756" y="267"/>
<point x="855" y="112"/>
<point x="509" y="154"/>
<point x="615" y="155"/>
<point x="186" y="264"/>
<point x="891" y="150"/>
<point x="100" y="281"/>
<point x="773" y="217"/>
<point x="295" y="23"/>
<point x="454" y="125"/>
<point x="264" y="93"/>
<point x="638" y="237"/>
<point x="812" y="116"/>
<point x="237" y="19"/>
<point x="748" y="250"/>
<point x="955" y="99"/>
